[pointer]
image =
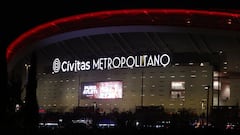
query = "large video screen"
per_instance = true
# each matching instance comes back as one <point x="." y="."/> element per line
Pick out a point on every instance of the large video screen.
<point x="101" y="90"/>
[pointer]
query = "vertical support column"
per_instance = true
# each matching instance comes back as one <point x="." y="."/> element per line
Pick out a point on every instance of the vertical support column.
<point x="142" y="91"/>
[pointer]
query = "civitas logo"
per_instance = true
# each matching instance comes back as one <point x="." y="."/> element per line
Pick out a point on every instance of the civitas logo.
<point x="68" y="66"/>
<point x="56" y="66"/>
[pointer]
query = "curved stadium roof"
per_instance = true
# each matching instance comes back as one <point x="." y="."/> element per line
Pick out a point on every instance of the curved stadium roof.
<point x="201" y="29"/>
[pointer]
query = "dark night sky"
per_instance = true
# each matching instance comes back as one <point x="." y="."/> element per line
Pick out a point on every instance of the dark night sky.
<point x="18" y="17"/>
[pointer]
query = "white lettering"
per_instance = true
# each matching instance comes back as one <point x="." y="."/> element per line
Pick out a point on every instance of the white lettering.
<point x="100" y="65"/>
<point x="63" y="67"/>
<point x="91" y="89"/>
<point x="71" y="65"/>
<point x="144" y="60"/>
<point x="88" y="67"/>
<point x="95" y="64"/>
<point x="129" y="61"/>
<point x="150" y="61"/>
<point x="167" y="60"/>
<point x="136" y="61"/>
<point x="111" y="63"/>
<point x="123" y="62"/>
<point x="157" y="60"/>
<point x="118" y="62"/>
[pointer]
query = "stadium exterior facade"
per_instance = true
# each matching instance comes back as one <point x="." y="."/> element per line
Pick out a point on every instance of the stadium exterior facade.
<point x="157" y="57"/>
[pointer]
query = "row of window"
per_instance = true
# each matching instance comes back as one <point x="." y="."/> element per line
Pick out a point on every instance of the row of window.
<point x="177" y="90"/>
<point x="133" y="77"/>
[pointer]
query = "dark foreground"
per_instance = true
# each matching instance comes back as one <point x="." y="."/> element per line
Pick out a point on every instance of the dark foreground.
<point x="123" y="131"/>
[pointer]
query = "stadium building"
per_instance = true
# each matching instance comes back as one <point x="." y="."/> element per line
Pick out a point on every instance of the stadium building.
<point x="122" y="59"/>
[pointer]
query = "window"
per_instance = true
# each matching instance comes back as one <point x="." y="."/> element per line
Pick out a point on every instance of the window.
<point x="178" y="94"/>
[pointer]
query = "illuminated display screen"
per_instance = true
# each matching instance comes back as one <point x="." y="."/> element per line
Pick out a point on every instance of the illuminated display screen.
<point x="178" y="85"/>
<point x="101" y="90"/>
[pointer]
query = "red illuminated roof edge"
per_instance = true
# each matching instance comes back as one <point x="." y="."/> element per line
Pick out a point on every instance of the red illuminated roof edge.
<point x="87" y="21"/>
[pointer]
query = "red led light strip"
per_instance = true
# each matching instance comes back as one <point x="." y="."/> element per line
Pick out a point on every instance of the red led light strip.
<point x="105" y="18"/>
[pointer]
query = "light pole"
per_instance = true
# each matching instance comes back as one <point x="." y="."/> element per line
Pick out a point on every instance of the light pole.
<point x="207" y="89"/>
<point x="79" y="90"/>
<point x="142" y="91"/>
<point x="27" y="66"/>
<point x="219" y="77"/>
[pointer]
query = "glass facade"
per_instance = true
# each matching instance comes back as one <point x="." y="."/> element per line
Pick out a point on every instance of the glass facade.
<point x="174" y="87"/>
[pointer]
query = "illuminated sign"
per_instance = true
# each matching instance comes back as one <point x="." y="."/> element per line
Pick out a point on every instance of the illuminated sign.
<point x="102" y="90"/>
<point x="111" y="63"/>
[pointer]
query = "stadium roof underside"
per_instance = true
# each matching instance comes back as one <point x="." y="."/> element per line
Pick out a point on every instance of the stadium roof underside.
<point x="186" y="35"/>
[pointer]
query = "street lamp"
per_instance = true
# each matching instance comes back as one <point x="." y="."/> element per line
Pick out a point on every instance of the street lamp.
<point x="27" y="66"/>
<point x="207" y="89"/>
<point x="142" y="91"/>
<point x="219" y="76"/>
